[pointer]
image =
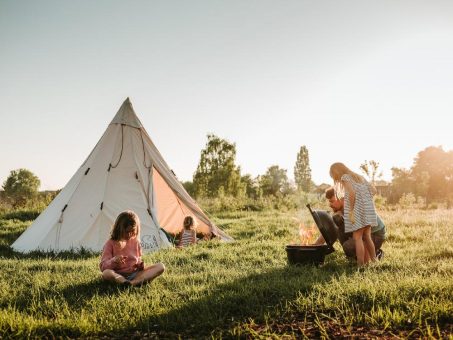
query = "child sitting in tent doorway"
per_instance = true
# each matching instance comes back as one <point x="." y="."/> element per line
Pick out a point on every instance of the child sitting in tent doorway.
<point x="188" y="235"/>
<point x="121" y="259"/>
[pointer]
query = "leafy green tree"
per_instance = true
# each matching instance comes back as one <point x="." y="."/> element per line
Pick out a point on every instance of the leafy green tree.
<point x="251" y="185"/>
<point x="370" y="169"/>
<point x="433" y="169"/>
<point x="20" y="186"/>
<point x="275" y="182"/>
<point x="302" y="171"/>
<point x="421" y="184"/>
<point x="402" y="183"/>
<point x="216" y="172"/>
<point x="431" y="176"/>
<point x="190" y="188"/>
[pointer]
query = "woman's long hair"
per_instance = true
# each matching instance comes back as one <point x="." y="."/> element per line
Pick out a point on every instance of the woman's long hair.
<point x="124" y="222"/>
<point x="337" y="170"/>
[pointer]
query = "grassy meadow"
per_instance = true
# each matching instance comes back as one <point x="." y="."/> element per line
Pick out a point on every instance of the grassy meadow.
<point x="243" y="289"/>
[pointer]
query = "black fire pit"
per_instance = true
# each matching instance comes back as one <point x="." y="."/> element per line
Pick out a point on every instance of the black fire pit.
<point x="311" y="254"/>
<point x="314" y="254"/>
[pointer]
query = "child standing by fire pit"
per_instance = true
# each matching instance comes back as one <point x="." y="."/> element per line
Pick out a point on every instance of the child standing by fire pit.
<point x="359" y="210"/>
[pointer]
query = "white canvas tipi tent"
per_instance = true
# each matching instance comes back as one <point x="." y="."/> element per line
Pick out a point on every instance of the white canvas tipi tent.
<point x="125" y="171"/>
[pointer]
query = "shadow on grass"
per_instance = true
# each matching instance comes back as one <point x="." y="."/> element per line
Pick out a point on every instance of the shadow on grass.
<point x="74" y="295"/>
<point x="256" y="296"/>
<point x="77" y="295"/>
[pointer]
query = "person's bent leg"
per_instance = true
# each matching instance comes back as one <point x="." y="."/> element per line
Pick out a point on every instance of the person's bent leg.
<point x="349" y="248"/>
<point x="359" y="247"/>
<point x="148" y="274"/>
<point x="368" y="243"/>
<point x="111" y="275"/>
<point x="378" y="240"/>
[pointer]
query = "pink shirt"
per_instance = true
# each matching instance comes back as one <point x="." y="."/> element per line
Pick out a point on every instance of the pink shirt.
<point x="130" y="248"/>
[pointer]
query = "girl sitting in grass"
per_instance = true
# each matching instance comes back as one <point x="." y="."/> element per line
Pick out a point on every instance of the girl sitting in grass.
<point x="121" y="260"/>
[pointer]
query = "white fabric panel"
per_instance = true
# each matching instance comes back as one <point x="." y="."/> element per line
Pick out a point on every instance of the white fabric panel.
<point x="85" y="203"/>
<point x="124" y="192"/>
<point x="95" y="236"/>
<point x="41" y="233"/>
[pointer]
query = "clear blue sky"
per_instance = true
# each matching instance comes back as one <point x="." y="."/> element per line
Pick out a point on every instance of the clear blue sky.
<point x="351" y="80"/>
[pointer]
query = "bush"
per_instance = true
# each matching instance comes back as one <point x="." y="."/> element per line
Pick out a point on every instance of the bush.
<point x="21" y="215"/>
<point x="380" y="202"/>
<point x="21" y="186"/>
<point x="242" y="203"/>
<point x="433" y="206"/>
<point x="31" y="209"/>
<point x="229" y="203"/>
<point x="5" y="206"/>
<point x="407" y="200"/>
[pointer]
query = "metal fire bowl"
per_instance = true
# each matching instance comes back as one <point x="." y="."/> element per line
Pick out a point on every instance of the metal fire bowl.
<point x="311" y="254"/>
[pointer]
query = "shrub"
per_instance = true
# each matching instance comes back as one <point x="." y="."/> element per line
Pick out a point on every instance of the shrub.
<point x="21" y="215"/>
<point x="31" y="209"/>
<point x="407" y="200"/>
<point x="243" y="203"/>
<point x="230" y="203"/>
<point x="21" y="186"/>
<point x="5" y="206"/>
<point x="380" y="202"/>
<point x="433" y="206"/>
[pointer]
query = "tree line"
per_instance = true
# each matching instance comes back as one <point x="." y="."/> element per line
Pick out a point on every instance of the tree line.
<point x="430" y="177"/>
<point x="217" y="175"/>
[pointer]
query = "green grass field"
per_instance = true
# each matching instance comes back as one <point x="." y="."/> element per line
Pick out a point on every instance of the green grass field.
<point x="241" y="289"/>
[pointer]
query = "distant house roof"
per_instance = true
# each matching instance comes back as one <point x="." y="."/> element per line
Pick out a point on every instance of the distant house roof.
<point x="320" y="189"/>
<point x="381" y="183"/>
